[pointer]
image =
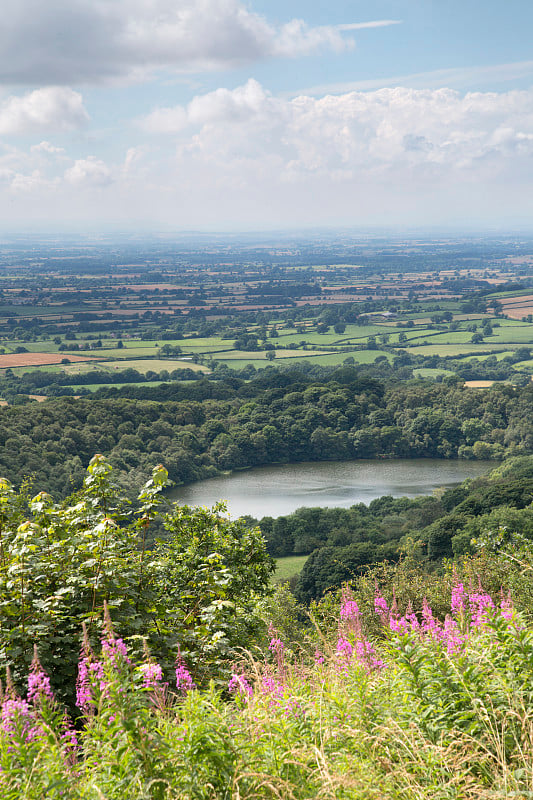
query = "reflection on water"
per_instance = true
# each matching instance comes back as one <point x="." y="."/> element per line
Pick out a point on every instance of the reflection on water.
<point x="277" y="490"/>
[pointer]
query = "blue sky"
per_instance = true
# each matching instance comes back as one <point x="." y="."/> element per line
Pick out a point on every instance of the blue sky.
<point x="224" y="115"/>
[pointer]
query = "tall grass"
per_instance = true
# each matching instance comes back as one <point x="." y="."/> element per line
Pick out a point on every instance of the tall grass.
<point x="430" y="708"/>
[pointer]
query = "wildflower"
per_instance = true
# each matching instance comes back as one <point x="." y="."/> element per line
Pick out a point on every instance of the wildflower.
<point x="16" y="714"/>
<point x="276" y="646"/>
<point x="507" y="607"/>
<point x="480" y="605"/>
<point x="90" y="673"/>
<point x="38" y="681"/>
<point x="152" y="675"/>
<point x="399" y="625"/>
<point x="239" y="685"/>
<point x="367" y="655"/>
<point x="273" y="687"/>
<point x="430" y="625"/>
<point x="380" y="605"/>
<point x="344" y="647"/>
<point x="452" y="637"/>
<point x="458" y="598"/>
<point x="349" y="608"/>
<point x="115" y="652"/>
<point x="184" y="681"/>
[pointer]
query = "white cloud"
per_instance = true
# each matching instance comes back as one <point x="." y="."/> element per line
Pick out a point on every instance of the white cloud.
<point x="89" y="172"/>
<point x="454" y="77"/>
<point x="244" y="157"/>
<point x="47" y="149"/>
<point x="364" y="132"/>
<point x="51" y="108"/>
<point x="221" y="105"/>
<point x="74" y="41"/>
<point x="376" y="23"/>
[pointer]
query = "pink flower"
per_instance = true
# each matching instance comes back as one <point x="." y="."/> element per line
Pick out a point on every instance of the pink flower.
<point x="38" y="681"/>
<point x="16" y="714"/>
<point x="507" y="607"/>
<point x="274" y="687"/>
<point x="152" y="675"/>
<point x="276" y="646"/>
<point x="380" y="605"/>
<point x="344" y="648"/>
<point x="184" y="681"/>
<point x="115" y="652"/>
<point x="349" y="609"/>
<point x="452" y="637"/>
<point x="239" y="685"/>
<point x="458" y="598"/>
<point x="480" y="606"/>
<point x="90" y="673"/>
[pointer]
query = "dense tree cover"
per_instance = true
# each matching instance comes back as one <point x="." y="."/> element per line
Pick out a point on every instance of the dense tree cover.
<point x="59" y="383"/>
<point x="346" y="542"/>
<point x="200" y="428"/>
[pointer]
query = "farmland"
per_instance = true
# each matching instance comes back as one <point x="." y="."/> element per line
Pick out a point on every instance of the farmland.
<point x="69" y="325"/>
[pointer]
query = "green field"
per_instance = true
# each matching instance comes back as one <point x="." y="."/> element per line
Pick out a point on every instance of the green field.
<point x="457" y="349"/>
<point x="332" y="349"/>
<point x="328" y="359"/>
<point x="141" y="365"/>
<point x="93" y="387"/>
<point x="287" y="567"/>
<point x="428" y="372"/>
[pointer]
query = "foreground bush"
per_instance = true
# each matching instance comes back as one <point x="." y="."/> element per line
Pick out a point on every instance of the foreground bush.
<point x="60" y="562"/>
<point x="433" y="709"/>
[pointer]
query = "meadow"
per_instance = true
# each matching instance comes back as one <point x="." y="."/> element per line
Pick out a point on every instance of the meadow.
<point x="422" y="709"/>
<point x="287" y="567"/>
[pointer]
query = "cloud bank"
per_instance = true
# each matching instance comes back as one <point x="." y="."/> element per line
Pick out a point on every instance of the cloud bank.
<point x="86" y="41"/>
<point x="369" y="133"/>
<point x="243" y="156"/>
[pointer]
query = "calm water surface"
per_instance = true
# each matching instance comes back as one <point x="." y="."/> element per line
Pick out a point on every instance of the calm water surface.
<point x="277" y="490"/>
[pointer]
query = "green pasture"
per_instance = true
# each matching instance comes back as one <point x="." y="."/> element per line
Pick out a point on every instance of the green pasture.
<point x="520" y="334"/>
<point x="413" y="336"/>
<point x="93" y="387"/>
<point x="428" y="372"/>
<point x="287" y="567"/>
<point x="37" y="311"/>
<point x="328" y="359"/>
<point x="211" y="341"/>
<point x="260" y="355"/>
<point x="498" y="355"/>
<point x="455" y="349"/>
<point x="155" y="364"/>
<point x="511" y="323"/>
<point x="18" y="371"/>
<point x="115" y="353"/>
<point x="524" y="366"/>
<point x="46" y="346"/>
<point x="519" y="293"/>
<point x="453" y="337"/>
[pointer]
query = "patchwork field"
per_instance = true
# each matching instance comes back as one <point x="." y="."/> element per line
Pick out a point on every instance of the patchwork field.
<point x="425" y="317"/>
<point x="36" y="359"/>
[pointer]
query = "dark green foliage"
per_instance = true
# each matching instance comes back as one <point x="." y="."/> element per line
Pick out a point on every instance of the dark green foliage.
<point x="59" y="564"/>
<point x="347" y="541"/>
<point x="200" y="428"/>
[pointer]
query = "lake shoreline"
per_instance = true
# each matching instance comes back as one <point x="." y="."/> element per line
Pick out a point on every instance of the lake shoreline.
<point x="278" y="489"/>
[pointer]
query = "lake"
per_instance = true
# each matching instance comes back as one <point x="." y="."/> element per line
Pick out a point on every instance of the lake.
<point x="277" y="490"/>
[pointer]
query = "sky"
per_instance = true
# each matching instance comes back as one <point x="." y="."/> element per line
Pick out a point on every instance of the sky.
<point x="148" y="115"/>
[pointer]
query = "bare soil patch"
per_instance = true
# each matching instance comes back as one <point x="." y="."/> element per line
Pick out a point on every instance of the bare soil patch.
<point x="36" y="359"/>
